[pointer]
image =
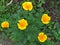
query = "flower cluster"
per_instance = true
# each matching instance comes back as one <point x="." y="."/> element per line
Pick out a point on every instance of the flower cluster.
<point x="22" y="24"/>
<point x="45" y="20"/>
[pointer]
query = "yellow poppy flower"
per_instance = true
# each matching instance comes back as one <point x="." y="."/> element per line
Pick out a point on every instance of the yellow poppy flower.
<point x="22" y="24"/>
<point x="45" y="18"/>
<point x="27" y="6"/>
<point x="42" y="37"/>
<point x="5" y="24"/>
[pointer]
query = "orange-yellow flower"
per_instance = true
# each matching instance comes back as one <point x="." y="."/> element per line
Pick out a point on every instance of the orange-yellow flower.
<point x="45" y="18"/>
<point x="5" y="24"/>
<point x="42" y="37"/>
<point x="22" y="24"/>
<point x="27" y="6"/>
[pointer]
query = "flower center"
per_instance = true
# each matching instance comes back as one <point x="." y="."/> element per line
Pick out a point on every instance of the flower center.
<point x="46" y="19"/>
<point x="22" y="24"/>
<point x="42" y="37"/>
<point x="5" y="25"/>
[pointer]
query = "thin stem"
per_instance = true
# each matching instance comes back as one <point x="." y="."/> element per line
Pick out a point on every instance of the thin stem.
<point x="9" y="3"/>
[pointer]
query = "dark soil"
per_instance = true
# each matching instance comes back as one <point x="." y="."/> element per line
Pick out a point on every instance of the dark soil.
<point x="7" y="42"/>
